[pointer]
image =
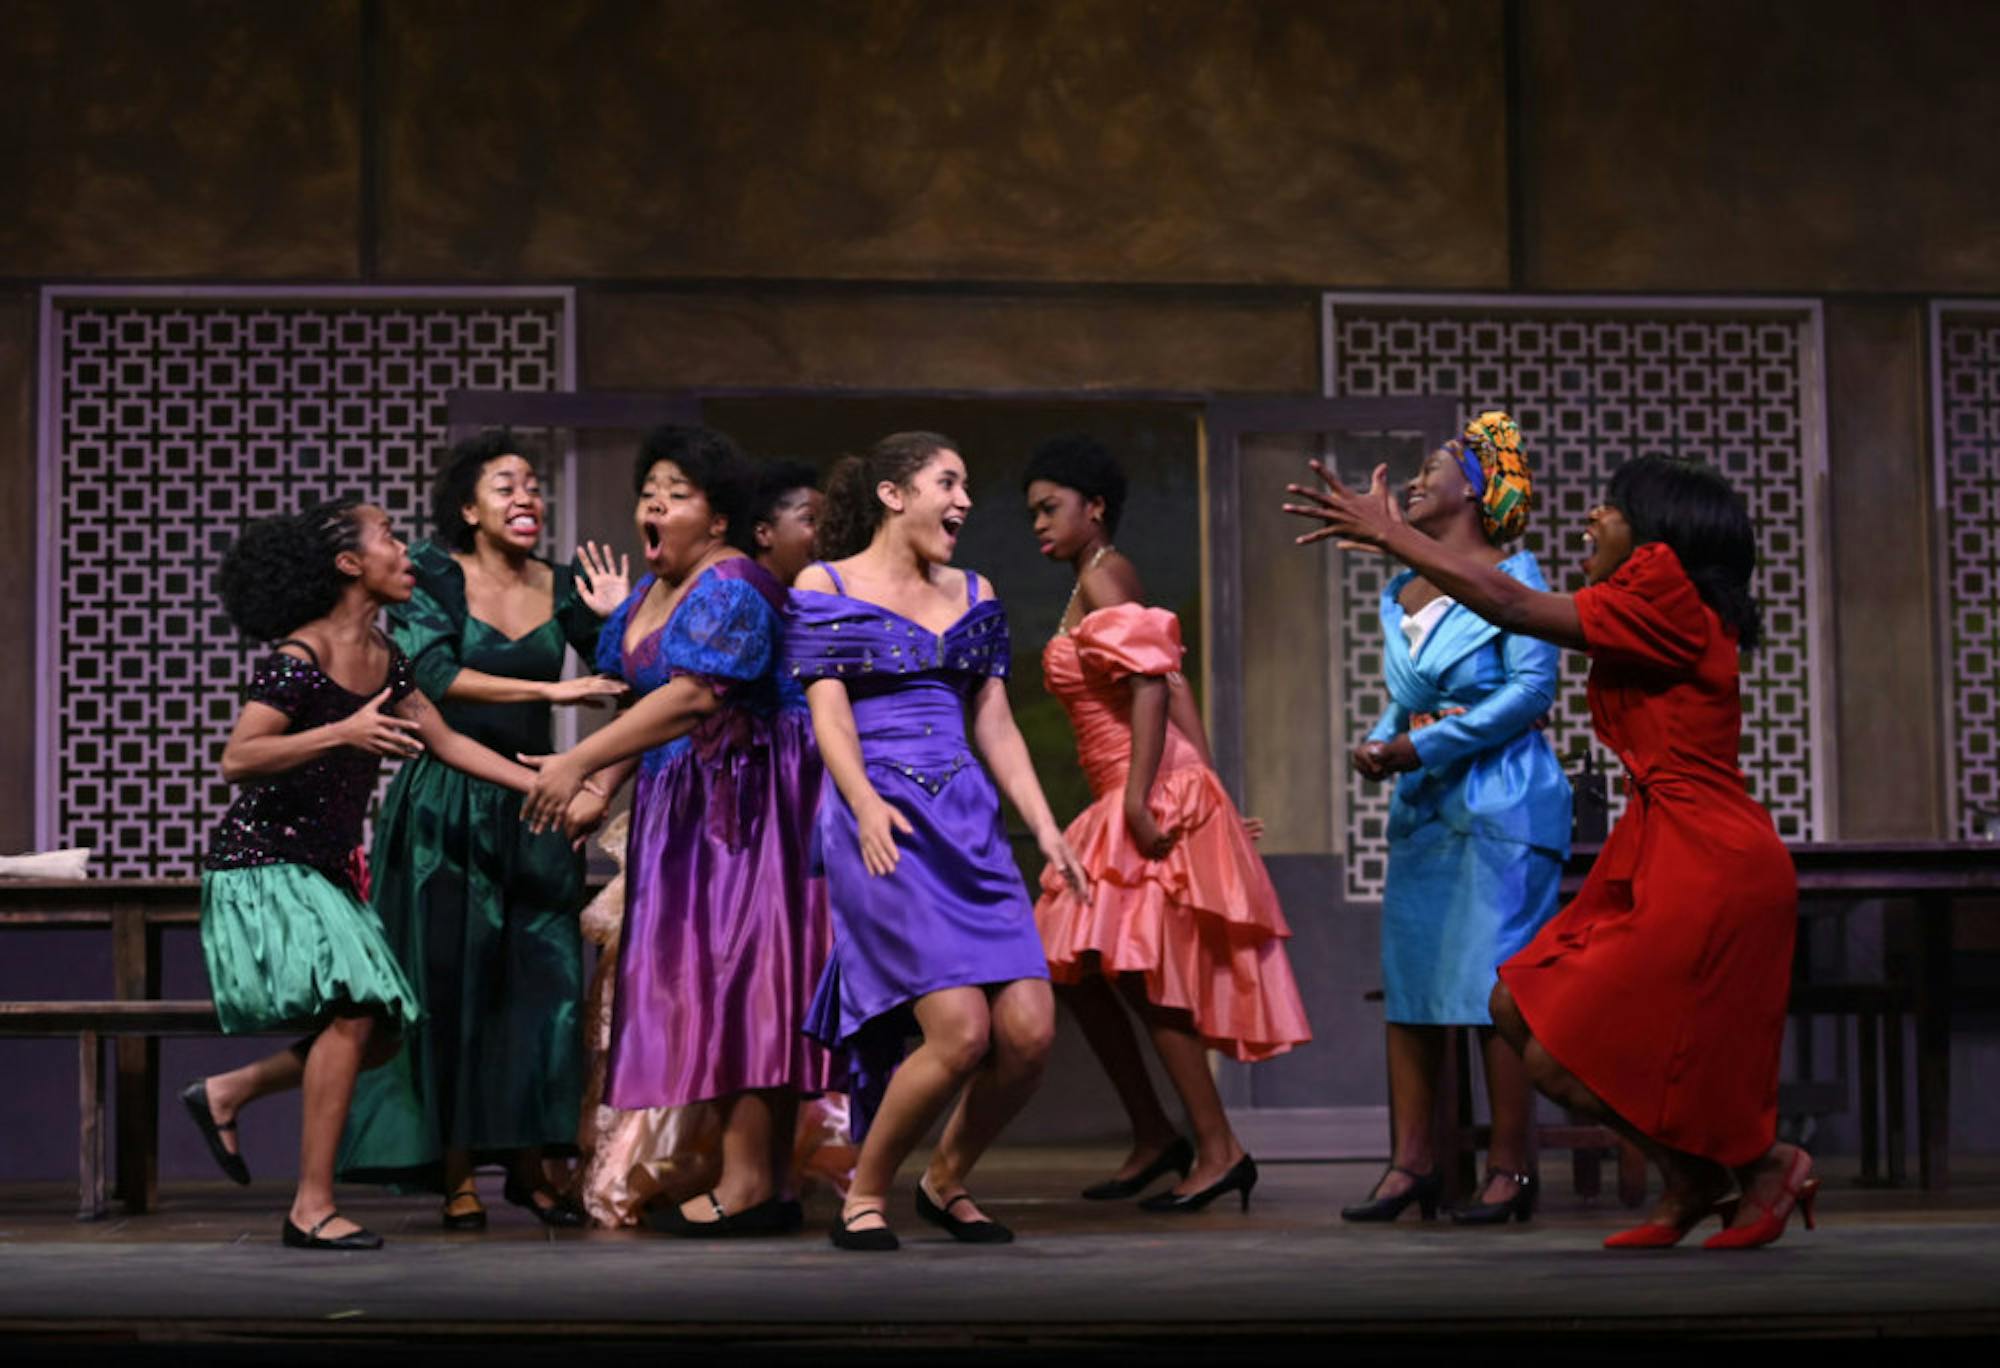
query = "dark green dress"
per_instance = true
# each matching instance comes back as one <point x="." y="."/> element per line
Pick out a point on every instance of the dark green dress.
<point x="482" y="915"/>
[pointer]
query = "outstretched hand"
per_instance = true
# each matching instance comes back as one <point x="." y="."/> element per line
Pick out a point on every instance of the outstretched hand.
<point x="1362" y="521"/>
<point x="604" y="585"/>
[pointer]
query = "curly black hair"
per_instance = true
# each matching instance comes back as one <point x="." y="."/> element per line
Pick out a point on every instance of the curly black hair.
<point x="1692" y="508"/>
<point x="1081" y="462"/>
<point x="775" y="480"/>
<point x="712" y="463"/>
<point x="279" y="574"/>
<point x="459" y="476"/>
<point x="852" y="513"/>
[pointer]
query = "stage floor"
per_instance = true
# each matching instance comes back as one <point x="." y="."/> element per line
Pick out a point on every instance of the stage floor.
<point x="1085" y="1279"/>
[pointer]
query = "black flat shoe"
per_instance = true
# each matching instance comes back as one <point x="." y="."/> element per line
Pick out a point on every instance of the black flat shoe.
<point x="1242" y="1176"/>
<point x="195" y="1098"/>
<point x="1177" y="1157"/>
<point x="474" y="1219"/>
<point x="561" y="1212"/>
<point x="1423" y="1190"/>
<point x="879" y="1240"/>
<point x="1519" y="1207"/>
<point x="965" y="1232"/>
<point x="294" y="1238"/>
<point x="772" y="1216"/>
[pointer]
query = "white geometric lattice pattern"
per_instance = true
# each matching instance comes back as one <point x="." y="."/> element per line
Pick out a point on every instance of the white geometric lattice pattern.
<point x="1591" y="390"/>
<point x="1970" y="481"/>
<point x="176" y="424"/>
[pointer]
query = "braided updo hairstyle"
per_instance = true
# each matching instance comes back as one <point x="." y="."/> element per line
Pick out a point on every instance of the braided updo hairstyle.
<point x="279" y="574"/>
<point x="853" y="511"/>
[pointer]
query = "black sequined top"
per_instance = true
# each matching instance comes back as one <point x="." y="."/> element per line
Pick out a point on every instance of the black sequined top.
<point x="311" y="815"/>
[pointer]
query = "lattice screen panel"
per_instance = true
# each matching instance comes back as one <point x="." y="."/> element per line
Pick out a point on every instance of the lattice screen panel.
<point x="1969" y="355"/>
<point x="1592" y="389"/>
<point x="175" y="424"/>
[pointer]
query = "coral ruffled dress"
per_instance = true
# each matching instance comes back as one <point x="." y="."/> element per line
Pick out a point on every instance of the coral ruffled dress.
<point x="1663" y="985"/>
<point x="1202" y="925"/>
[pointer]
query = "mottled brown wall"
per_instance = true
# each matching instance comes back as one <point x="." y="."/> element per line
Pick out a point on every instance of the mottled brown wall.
<point x="1761" y="145"/>
<point x="658" y="340"/>
<point x="1233" y="140"/>
<point x="1887" y="732"/>
<point x="214" y="140"/>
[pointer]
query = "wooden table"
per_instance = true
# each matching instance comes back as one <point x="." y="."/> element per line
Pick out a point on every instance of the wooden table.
<point x="137" y="912"/>
<point x="1934" y="874"/>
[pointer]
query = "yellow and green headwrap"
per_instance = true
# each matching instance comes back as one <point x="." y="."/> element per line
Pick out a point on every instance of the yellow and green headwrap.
<point x="1498" y="474"/>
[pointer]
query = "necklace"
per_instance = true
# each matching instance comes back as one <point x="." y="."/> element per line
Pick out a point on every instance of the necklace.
<point x="1077" y="588"/>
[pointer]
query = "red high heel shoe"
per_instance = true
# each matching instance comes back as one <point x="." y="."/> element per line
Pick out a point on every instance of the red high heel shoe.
<point x="1655" y="1235"/>
<point x="1801" y="1190"/>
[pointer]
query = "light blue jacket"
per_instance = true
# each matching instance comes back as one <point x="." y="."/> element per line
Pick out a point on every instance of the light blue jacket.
<point x="1487" y="772"/>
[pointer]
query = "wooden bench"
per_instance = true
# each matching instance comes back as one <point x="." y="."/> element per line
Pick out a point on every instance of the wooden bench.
<point x="137" y="913"/>
<point x="92" y="1023"/>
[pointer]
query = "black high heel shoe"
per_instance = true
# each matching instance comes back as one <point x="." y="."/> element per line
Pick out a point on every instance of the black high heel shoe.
<point x="1519" y="1207"/>
<point x="1242" y="1176"/>
<point x="1177" y="1157"/>
<point x="1423" y="1190"/>
<point x="561" y="1212"/>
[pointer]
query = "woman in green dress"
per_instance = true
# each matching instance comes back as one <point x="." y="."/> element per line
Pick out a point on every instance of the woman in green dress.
<point x="481" y="912"/>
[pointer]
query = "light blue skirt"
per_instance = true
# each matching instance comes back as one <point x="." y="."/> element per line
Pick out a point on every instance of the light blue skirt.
<point x="1456" y="906"/>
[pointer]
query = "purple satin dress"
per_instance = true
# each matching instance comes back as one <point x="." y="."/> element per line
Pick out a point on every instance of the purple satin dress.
<point x="726" y="930"/>
<point x="955" y="911"/>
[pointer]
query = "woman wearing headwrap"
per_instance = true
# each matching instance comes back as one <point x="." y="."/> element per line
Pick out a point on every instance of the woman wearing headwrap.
<point x="1478" y="825"/>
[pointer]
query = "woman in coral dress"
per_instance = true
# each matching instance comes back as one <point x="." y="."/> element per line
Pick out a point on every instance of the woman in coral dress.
<point x="1180" y="918"/>
<point x="1656" y="999"/>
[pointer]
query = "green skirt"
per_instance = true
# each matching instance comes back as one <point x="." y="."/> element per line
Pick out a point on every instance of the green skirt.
<point x="289" y="950"/>
<point x="482" y="917"/>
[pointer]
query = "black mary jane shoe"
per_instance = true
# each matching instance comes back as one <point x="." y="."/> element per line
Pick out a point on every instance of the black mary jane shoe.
<point x="1177" y="1157"/>
<point x="965" y="1232"/>
<point x="195" y="1098"/>
<point x="1242" y="1176"/>
<point x="358" y="1238"/>
<point x="772" y="1216"/>
<point x="878" y="1240"/>
<point x="1423" y="1190"/>
<point x="474" y="1219"/>
<point x="561" y="1212"/>
<point x="1519" y="1207"/>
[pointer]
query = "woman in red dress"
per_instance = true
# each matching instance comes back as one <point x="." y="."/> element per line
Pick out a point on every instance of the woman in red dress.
<point x="1655" y="1000"/>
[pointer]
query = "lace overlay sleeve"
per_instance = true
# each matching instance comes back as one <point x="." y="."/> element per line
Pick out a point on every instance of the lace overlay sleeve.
<point x="723" y="631"/>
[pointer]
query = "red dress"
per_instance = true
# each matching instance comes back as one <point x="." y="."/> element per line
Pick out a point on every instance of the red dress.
<point x="1663" y="985"/>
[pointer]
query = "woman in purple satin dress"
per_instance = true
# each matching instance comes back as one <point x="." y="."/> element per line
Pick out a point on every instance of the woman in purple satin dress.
<point x="934" y="932"/>
<point x="725" y="931"/>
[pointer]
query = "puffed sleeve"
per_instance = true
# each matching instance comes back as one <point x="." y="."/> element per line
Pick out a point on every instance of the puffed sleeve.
<point x="723" y="632"/>
<point x="1647" y="613"/>
<point x="580" y="626"/>
<point x="428" y="625"/>
<point x="281" y="681"/>
<point x="1129" y="639"/>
